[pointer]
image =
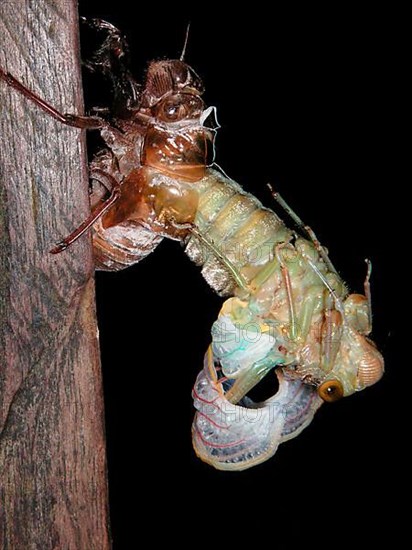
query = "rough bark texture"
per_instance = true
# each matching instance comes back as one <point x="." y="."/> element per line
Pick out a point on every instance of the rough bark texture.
<point x="53" y="490"/>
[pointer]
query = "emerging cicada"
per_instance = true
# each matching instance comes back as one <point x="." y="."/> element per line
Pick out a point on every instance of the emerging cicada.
<point x="288" y="310"/>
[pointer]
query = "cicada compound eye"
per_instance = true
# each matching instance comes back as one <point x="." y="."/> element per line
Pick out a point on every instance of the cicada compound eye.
<point x="330" y="391"/>
<point x="179" y="107"/>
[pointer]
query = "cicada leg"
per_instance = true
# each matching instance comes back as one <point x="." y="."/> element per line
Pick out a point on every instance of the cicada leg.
<point x="331" y="335"/>
<point x="367" y="288"/>
<point x="250" y="379"/>
<point x="97" y="212"/>
<point x="338" y="302"/>
<point x="303" y="227"/>
<point x="112" y="60"/>
<point x="288" y="286"/>
<point x="77" y="121"/>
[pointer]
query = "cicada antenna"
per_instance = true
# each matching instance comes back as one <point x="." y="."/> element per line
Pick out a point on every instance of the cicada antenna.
<point x="182" y="55"/>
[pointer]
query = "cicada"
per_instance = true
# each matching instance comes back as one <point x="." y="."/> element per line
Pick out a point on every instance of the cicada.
<point x="287" y="309"/>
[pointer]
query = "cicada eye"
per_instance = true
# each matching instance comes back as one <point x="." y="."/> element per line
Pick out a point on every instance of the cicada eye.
<point x="179" y="107"/>
<point x="171" y="111"/>
<point x="330" y="391"/>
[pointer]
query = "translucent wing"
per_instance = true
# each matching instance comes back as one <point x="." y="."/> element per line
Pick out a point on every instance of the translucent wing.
<point x="234" y="437"/>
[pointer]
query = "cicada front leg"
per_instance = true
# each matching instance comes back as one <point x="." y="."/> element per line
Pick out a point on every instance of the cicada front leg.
<point x="77" y="121"/>
<point x="97" y="213"/>
<point x="306" y="229"/>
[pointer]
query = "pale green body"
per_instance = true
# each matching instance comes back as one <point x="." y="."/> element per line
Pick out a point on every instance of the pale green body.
<point x="247" y="252"/>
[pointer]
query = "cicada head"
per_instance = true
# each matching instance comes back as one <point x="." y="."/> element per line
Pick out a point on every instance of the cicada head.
<point x="358" y="365"/>
<point x="357" y="362"/>
<point x="168" y="77"/>
<point x="177" y="141"/>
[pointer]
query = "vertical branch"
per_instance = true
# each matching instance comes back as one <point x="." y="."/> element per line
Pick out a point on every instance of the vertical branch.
<point x="53" y="489"/>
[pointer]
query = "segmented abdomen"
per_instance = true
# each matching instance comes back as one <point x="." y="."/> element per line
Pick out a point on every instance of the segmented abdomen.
<point x="238" y="226"/>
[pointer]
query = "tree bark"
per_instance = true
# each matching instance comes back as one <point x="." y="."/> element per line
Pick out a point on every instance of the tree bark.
<point x="53" y="485"/>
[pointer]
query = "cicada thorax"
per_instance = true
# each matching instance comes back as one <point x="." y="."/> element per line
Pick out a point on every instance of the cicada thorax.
<point x="175" y="149"/>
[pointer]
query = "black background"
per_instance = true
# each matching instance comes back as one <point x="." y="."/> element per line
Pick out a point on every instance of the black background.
<point x="305" y="101"/>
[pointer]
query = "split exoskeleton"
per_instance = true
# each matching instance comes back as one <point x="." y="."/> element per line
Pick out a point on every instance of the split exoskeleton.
<point x="287" y="308"/>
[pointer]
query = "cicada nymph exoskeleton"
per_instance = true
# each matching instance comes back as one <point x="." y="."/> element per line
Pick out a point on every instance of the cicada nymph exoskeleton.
<point x="287" y="308"/>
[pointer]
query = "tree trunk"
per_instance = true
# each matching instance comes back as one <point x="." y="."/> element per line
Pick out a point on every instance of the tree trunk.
<point x="53" y="486"/>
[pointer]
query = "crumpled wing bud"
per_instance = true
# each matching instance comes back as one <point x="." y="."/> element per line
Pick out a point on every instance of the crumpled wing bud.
<point x="234" y="437"/>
